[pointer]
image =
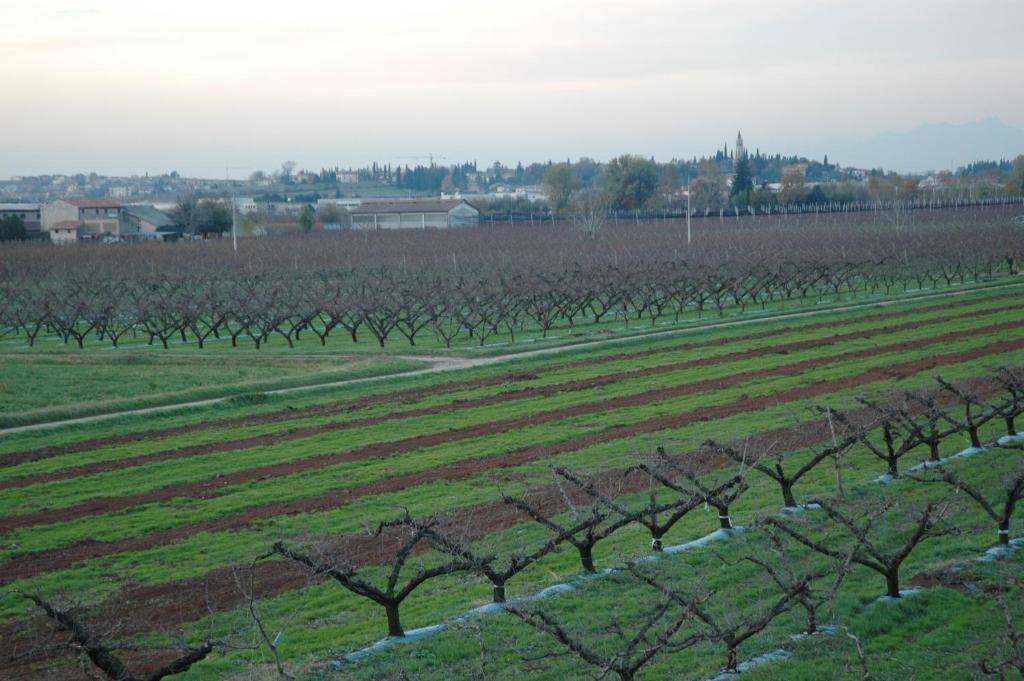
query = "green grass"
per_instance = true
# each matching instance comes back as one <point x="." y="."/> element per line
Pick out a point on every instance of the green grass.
<point x="709" y="334"/>
<point x="323" y="620"/>
<point x="348" y="475"/>
<point x="33" y="387"/>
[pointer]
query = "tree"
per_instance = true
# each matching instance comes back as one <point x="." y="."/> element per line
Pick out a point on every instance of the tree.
<point x="590" y="212"/>
<point x="741" y="181"/>
<point x="632" y="181"/>
<point x="865" y="551"/>
<point x="656" y="633"/>
<point x="186" y="211"/>
<point x="1014" y="656"/>
<point x="770" y="464"/>
<point x="212" y="216"/>
<point x="12" y="228"/>
<point x="1012" y="493"/>
<point x="391" y="596"/>
<point x="307" y="217"/>
<point x="708" y="192"/>
<point x="329" y="212"/>
<point x="792" y="190"/>
<point x="732" y="628"/>
<point x="102" y="654"/>
<point x="659" y="516"/>
<point x="559" y="183"/>
<point x="668" y="185"/>
<point x="591" y="524"/>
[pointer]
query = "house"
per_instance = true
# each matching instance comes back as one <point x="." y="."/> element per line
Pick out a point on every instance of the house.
<point x="28" y="212"/>
<point x="148" y="222"/>
<point x="66" y="232"/>
<point x="99" y="218"/>
<point x="414" y="214"/>
<point x="246" y="205"/>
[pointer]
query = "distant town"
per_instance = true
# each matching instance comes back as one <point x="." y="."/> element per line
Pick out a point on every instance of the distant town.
<point x="733" y="181"/>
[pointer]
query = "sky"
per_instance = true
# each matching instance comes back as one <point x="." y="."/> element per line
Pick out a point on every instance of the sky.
<point x="211" y="87"/>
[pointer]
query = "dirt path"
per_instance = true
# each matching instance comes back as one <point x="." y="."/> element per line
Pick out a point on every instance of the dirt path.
<point x="444" y="364"/>
<point x="47" y="561"/>
<point x="457" y="405"/>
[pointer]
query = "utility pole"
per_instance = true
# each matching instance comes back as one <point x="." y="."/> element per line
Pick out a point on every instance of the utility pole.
<point x="234" y="201"/>
<point x="687" y="211"/>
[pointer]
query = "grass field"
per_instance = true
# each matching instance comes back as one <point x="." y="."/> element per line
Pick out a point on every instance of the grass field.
<point x="34" y="385"/>
<point x="143" y="518"/>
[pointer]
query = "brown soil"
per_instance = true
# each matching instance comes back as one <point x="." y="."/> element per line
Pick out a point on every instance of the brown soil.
<point x="500" y="398"/>
<point x="413" y="395"/>
<point x="39" y="563"/>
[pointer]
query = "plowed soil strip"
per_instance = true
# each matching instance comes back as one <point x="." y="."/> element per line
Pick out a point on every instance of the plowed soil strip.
<point x="47" y="561"/>
<point x="208" y="488"/>
<point x="407" y="396"/>
<point x="457" y="405"/>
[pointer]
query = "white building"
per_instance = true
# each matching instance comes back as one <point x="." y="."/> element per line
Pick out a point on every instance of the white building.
<point x="246" y="205"/>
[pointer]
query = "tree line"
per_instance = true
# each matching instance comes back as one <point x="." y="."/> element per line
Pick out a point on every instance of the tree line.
<point x="382" y="287"/>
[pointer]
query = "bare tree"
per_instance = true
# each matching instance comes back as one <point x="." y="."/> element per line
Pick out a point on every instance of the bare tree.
<point x="102" y="654"/>
<point x="900" y="433"/>
<point x="391" y="595"/>
<point x="862" y="657"/>
<point x="656" y="633"/>
<point x="517" y="562"/>
<point x="593" y="524"/>
<point x="1012" y="404"/>
<point x="720" y="497"/>
<point x="976" y="412"/>
<point x="782" y="572"/>
<point x="245" y="582"/>
<point x="730" y="630"/>
<point x="866" y="552"/>
<point x="1012" y="492"/>
<point x="688" y="497"/>
<point x="1014" y="657"/>
<point x="770" y="464"/>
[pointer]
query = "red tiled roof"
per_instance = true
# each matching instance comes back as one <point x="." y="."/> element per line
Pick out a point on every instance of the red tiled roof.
<point x="93" y="203"/>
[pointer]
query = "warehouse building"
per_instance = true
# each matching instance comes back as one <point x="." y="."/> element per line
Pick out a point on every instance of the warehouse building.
<point x="415" y="214"/>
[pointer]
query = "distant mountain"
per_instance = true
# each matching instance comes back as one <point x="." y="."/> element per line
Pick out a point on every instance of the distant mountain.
<point x="935" y="146"/>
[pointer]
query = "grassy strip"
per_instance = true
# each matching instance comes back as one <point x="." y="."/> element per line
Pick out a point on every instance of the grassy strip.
<point x="151" y="386"/>
<point x="558" y="375"/>
<point x="150" y="422"/>
<point x="165" y="474"/>
<point x="426" y="499"/>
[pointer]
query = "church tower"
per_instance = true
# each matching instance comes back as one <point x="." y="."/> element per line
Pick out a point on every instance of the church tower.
<point x="740" y="151"/>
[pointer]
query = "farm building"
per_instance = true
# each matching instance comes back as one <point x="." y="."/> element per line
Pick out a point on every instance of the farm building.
<point x="415" y="214"/>
<point x="28" y="212"/>
<point x="99" y="218"/>
<point x="150" y="222"/>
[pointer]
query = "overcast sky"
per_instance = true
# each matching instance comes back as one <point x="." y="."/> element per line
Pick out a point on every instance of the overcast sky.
<point x="125" y="87"/>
